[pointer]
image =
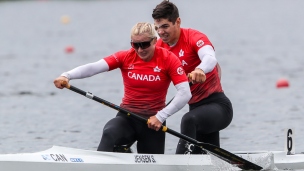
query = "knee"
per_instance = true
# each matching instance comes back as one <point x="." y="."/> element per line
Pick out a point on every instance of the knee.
<point x="108" y="133"/>
<point x="187" y="119"/>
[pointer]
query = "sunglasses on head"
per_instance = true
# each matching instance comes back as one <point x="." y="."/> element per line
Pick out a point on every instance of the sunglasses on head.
<point x="142" y="45"/>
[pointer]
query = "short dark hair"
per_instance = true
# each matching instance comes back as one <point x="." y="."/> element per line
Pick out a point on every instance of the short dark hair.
<point x="166" y="10"/>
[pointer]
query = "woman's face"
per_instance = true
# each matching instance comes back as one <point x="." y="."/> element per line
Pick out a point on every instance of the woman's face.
<point x="144" y="46"/>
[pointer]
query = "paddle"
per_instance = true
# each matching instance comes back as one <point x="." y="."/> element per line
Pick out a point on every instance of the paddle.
<point x="217" y="151"/>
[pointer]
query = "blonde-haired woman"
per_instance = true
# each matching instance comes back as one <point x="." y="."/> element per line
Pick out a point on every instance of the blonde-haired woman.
<point x="147" y="72"/>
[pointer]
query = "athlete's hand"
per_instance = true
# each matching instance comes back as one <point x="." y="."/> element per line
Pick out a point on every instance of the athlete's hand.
<point x="61" y="82"/>
<point x="197" y="76"/>
<point x="154" y="123"/>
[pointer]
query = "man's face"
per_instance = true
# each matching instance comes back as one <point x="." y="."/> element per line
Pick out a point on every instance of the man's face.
<point x="166" y="30"/>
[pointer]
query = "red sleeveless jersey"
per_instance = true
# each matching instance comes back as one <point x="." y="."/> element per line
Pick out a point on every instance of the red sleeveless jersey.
<point x="190" y="41"/>
<point x="146" y="83"/>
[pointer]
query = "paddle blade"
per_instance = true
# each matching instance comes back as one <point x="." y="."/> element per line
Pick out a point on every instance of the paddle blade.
<point x="229" y="157"/>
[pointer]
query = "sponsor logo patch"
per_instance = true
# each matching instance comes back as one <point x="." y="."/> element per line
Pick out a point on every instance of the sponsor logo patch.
<point x="199" y="43"/>
<point x="180" y="70"/>
<point x="156" y="69"/>
<point x="131" y="66"/>
<point x="181" y="53"/>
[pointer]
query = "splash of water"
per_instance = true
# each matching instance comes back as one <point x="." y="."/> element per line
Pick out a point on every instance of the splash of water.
<point x="265" y="160"/>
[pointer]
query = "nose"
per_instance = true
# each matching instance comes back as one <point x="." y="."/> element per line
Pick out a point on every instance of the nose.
<point x="140" y="49"/>
<point x="160" y="31"/>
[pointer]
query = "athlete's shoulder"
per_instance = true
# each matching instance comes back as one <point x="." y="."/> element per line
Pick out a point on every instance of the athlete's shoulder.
<point x="124" y="52"/>
<point x="191" y="31"/>
<point x="121" y="56"/>
<point x="196" y="38"/>
<point x="160" y="43"/>
<point x="159" y="50"/>
<point x="164" y="54"/>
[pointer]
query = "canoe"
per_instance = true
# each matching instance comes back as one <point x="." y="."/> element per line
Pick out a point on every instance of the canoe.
<point x="63" y="159"/>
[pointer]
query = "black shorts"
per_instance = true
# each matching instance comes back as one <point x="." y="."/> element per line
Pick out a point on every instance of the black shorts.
<point x="125" y="129"/>
<point x="205" y="119"/>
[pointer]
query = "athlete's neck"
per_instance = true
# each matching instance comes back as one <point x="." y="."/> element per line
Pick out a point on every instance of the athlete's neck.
<point x="172" y="44"/>
<point x="175" y="40"/>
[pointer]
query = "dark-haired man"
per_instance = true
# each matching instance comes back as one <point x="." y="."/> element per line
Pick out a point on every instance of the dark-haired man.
<point x="210" y="109"/>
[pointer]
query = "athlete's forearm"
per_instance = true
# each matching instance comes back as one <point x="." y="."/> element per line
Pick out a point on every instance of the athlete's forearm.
<point x="181" y="98"/>
<point x="207" y="57"/>
<point x="87" y="70"/>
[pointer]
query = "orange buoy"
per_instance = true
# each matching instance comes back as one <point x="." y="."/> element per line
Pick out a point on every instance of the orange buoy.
<point x="69" y="49"/>
<point x="282" y="83"/>
<point x="65" y="19"/>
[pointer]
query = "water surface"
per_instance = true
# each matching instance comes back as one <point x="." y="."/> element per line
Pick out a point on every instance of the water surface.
<point x="256" y="42"/>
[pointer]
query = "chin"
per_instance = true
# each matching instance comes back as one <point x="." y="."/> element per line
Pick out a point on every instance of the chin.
<point x="143" y="56"/>
<point x="165" y="40"/>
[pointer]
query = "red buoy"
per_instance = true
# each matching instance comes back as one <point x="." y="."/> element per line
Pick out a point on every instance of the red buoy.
<point x="69" y="49"/>
<point x="282" y="83"/>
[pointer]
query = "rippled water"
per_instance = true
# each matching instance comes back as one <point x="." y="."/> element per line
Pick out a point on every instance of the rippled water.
<point x="256" y="42"/>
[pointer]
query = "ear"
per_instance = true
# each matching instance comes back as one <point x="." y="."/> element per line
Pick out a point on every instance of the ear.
<point x="178" y="21"/>
<point x="154" y="40"/>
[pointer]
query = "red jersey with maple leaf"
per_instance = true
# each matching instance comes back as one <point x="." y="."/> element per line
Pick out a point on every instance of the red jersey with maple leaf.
<point x="146" y="83"/>
<point x="190" y="41"/>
